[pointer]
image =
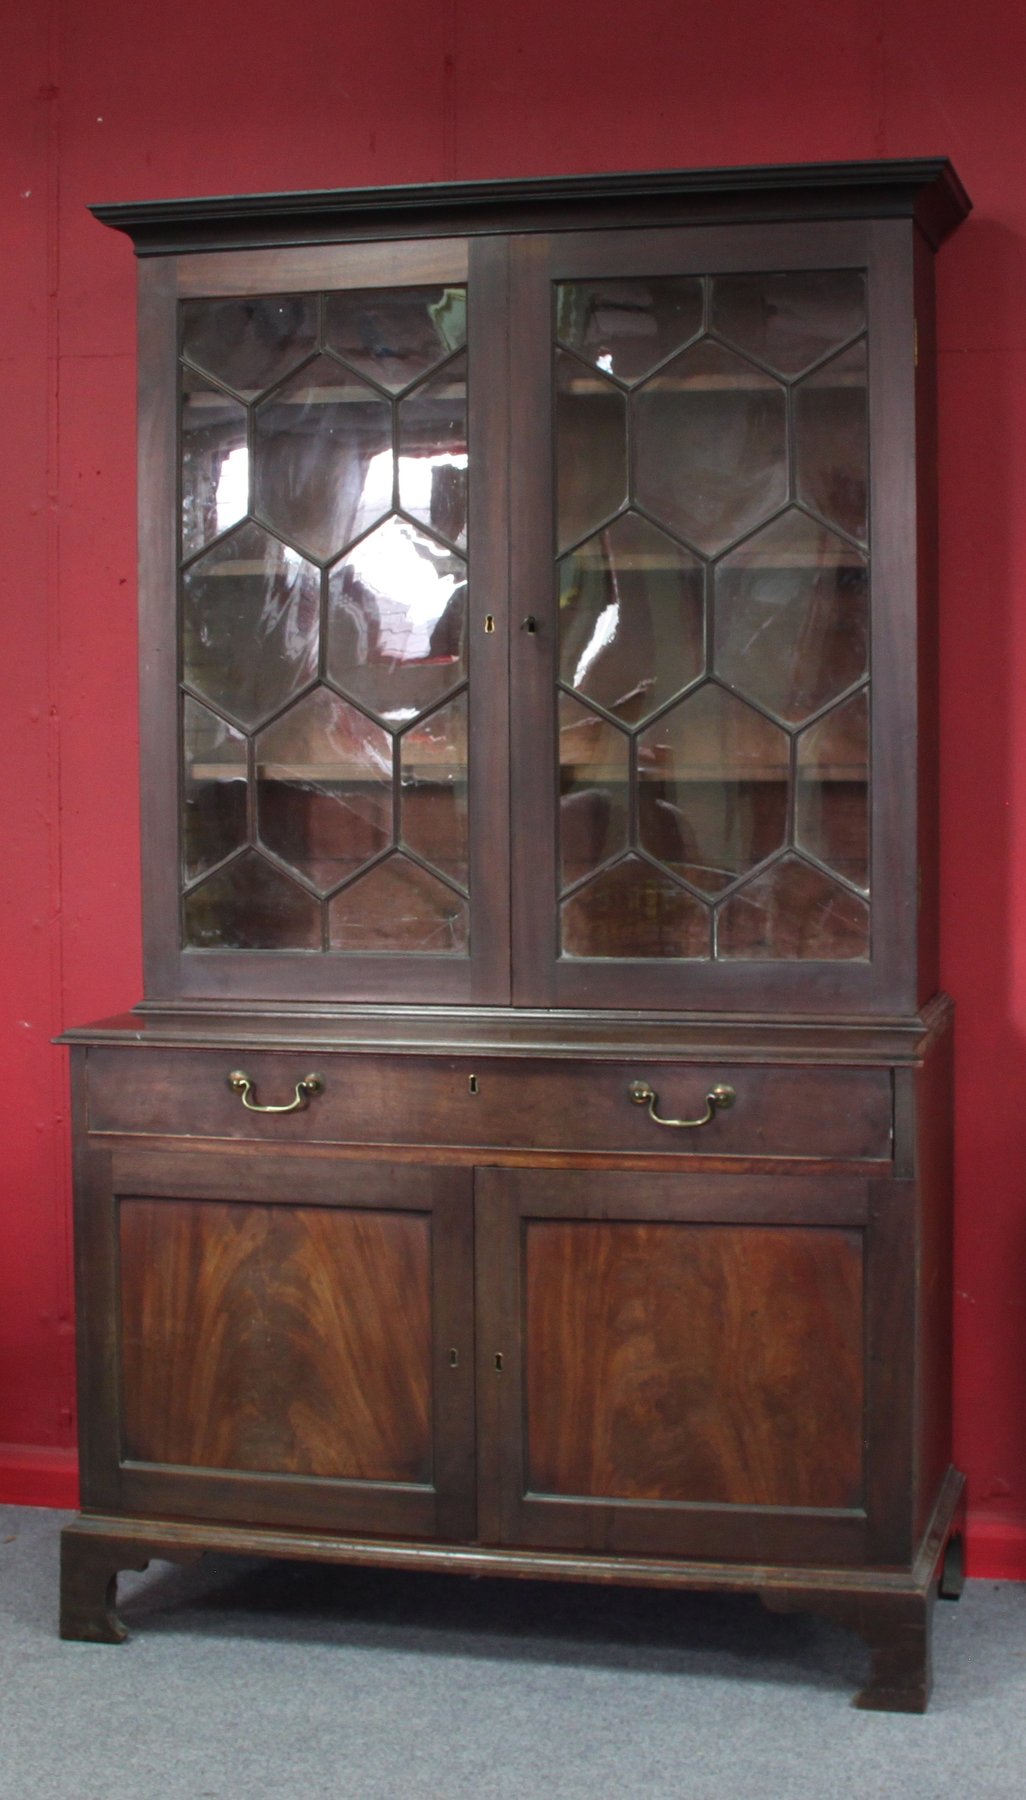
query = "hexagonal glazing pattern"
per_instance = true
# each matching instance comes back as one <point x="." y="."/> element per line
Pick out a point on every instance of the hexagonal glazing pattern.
<point x="213" y="788"/>
<point x="789" y="321"/>
<point x="791" y="616"/>
<point x="831" y="412"/>
<point x="250" y="624"/>
<point x="395" y="335"/>
<point x="397" y="622"/>
<point x="323" y="457"/>
<point x="710" y="441"/>
<point x="626" y="327"/>
<point x="633" y="910"/>
<point x="398" y="906"/>
<point x="832" y="810"/>
<point x="594" y="766"/>
<point x="631" y="618"/>
<point x="250" y="905"/>
<point x="591" y="449"/>
<point x="792" y="911"/>
<point x="712" y="788"/>
<point x="324" y="788"/>
<point x="249" y="343"/>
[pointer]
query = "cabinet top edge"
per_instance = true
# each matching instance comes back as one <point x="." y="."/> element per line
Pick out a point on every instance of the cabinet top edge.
<point x="925" y="189"/>
<point x="453" y="1031"/>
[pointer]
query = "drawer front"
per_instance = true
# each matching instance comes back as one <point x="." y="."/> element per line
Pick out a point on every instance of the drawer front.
<point x="522" y="1103"/>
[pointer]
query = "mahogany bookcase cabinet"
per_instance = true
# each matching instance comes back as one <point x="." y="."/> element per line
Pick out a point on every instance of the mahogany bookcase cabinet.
<point x="532" y="1154"/>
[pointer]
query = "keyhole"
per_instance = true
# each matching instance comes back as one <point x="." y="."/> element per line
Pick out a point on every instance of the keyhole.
<point x="489" y="621"/>
<point x="530" y="623"/>
<point x="472" y="1087"/>
<point x="498" y="1361"/>
<point x="454" y="1359"/>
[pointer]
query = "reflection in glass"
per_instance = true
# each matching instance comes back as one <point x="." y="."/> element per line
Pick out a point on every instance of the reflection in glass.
<point x="433" y="776"/>
<point x="316" y="439"/>
<point x="627" y="327"/>
<point x="833" y="793"/>
<point x="215" y="462"/>
<point x="249" y="343"/>
<point x="712" y="788"/>
<point x="433" y="452"/>
<point x="832" y="441"/>
<point x="250" y="624"/>
<point x="213" y="788"/>
<point x="789" y="321"/>
<point x="397" y="615"/>
<point x="710" y="446"/>
<point x="631" y="618"/>
<point x="324" y="788"/>
<point x="792" y="616"/>
<point x="591" y="449"/>
<point x="399" y="906"/>
<point x="630" y="911"/>
<point x="594" y="769"/>
<point x="394" y="335"/>
<point x="248" y="905"/>
<point x="793" y="911"/>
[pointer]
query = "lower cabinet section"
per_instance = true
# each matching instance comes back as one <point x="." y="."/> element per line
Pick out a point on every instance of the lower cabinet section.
<point x="695" y="1376"/>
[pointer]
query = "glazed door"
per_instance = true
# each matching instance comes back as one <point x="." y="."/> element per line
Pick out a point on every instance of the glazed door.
<point x="323" y="564"/>
<point x="713" y="438"/>
<point x="683" y="1365"/>
<point x="286" y="1340"/>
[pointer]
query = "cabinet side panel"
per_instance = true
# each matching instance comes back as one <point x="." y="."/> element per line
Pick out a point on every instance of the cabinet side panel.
<point x="927" y="576"/>
<point x="266" y="1338"/>
<point x="934" y="1155"/>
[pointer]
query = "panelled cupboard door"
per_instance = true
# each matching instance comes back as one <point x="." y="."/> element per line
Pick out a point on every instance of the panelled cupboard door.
<point x="684" y="1364"/>
<point x="293" y="1343"/>
<point x="714" y="598"/>
<point x="323" y="562"/>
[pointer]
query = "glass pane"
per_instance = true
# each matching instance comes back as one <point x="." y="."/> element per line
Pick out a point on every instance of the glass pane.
<point x="594" y="771"/>
<point x="324" y="788"/>
<point x="250" y="624"/>
<point x="433" y="452"/>
<point x="710" y="446"/>
<point x="433" y="765"/>
<point x="790" y="321"/>
<point x="631" y="618"/>
<point x="627" y="327"/>
<point x="395" y="335"/>
<point x="215" y="462"/>
<point x="398" y="906"/>
<point x="397" y="619"/>
<point x="712" y="788"/>
<point x="792" y="910"/>
<point x="792" y="616"/>
<point x="832" y="441"/>
<point x="213" y="789"/>
<point x="248" y="344"/>
<point x="833" y="790"/>
<point x="591" y="449"/>
<point x="323" y="449"/>
<point x="630" y="911"/>
<point x="248" y="905"/>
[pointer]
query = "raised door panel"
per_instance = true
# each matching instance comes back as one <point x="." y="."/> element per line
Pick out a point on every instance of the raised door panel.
<point x="294" y="1341"/>
<point x="678" y="1364"/>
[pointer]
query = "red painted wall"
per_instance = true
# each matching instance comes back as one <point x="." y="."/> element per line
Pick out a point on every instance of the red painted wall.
<point x="114" y="103"/>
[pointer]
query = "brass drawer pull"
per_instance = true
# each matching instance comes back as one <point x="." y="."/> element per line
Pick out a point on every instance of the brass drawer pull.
<point x="241" y="1084"/>
<point x="715" y="1099"/>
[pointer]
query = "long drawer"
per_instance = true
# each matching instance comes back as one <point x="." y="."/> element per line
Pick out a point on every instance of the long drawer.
<point x="502" y="1103"/>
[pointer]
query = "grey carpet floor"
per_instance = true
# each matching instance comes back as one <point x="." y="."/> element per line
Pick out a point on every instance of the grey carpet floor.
<point x="247" y="1681"/>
